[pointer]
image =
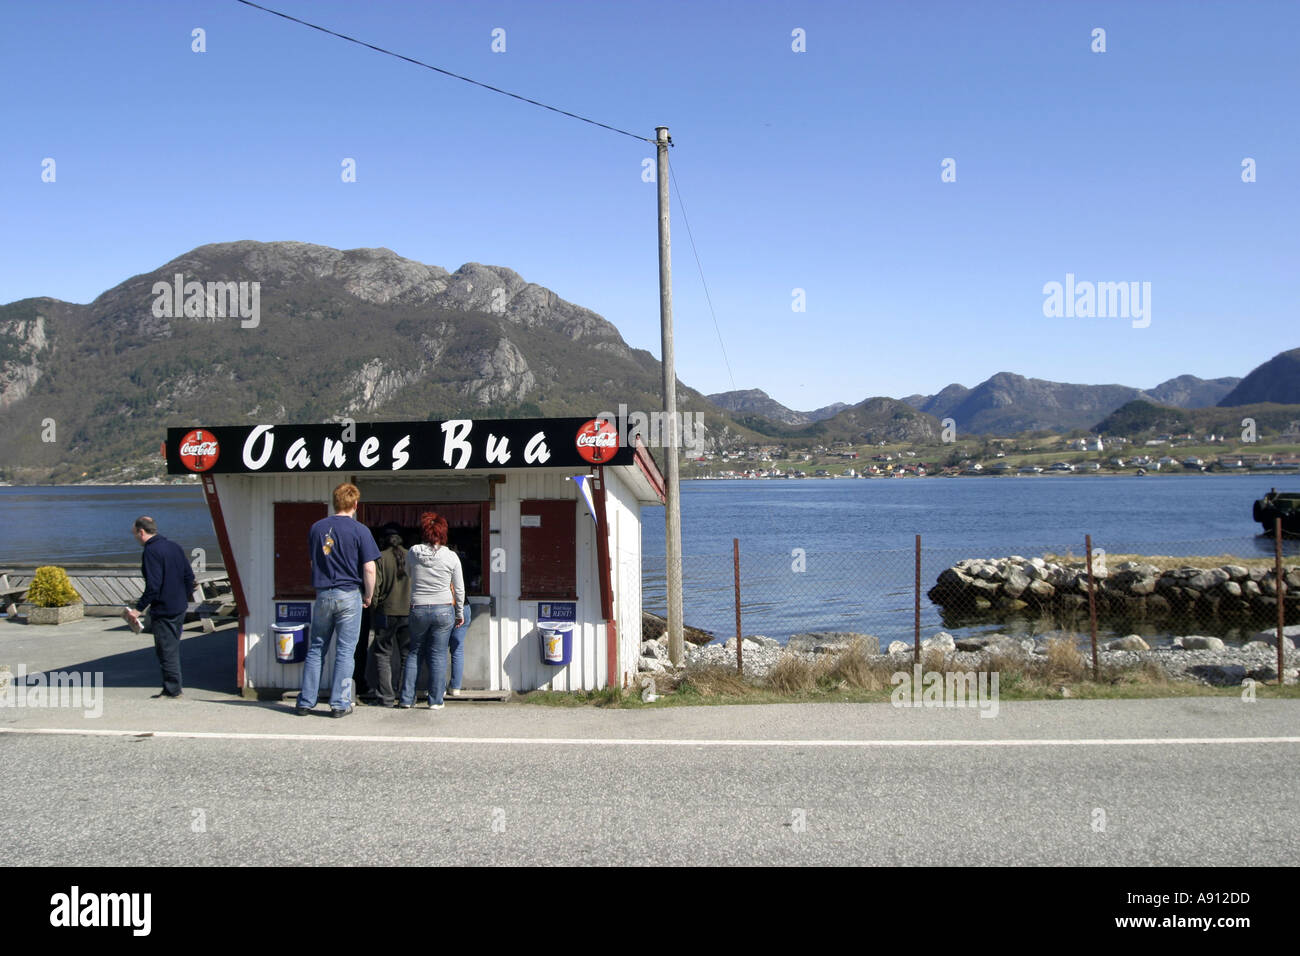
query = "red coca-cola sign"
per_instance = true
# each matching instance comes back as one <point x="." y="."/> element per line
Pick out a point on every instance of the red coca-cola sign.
<point x="199" y="450"/>
<point x="597" y="441"/>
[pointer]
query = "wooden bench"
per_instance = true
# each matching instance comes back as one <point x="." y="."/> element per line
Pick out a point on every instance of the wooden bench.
<point x="10" y="593"/>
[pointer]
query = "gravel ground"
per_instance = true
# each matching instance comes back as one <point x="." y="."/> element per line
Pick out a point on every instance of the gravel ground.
<point x="1217" y="667"/>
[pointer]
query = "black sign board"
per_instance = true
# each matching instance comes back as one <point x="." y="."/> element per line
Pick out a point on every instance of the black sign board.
<point x="451" y="445"/>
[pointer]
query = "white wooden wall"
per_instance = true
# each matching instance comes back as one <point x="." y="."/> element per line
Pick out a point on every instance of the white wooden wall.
<point x="625" y="554"/>
<point x="514" y="658"/>
<point x="515" y="654"/>
<point x="248" y="504"/>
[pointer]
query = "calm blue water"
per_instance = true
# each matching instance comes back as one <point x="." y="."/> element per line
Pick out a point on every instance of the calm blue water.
<point x="856" y="536"/>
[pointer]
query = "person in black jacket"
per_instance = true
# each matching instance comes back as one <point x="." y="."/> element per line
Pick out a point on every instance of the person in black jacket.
<point x="168" y="584"/>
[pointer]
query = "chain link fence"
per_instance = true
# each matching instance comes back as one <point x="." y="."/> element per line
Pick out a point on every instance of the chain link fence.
<point x="1224" y="587"/>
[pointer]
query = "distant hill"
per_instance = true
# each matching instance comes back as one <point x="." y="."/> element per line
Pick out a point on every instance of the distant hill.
<point x="1143" y="419"/>
<point x="362" y="333"/>
<point x="1188" y="391"/>
<point x="1277" y="380"/>
<point x="1007" y="403"/>
<point x="874" y="420"/>
<point x="754" y="403"/>
<point x="88" y="390"/>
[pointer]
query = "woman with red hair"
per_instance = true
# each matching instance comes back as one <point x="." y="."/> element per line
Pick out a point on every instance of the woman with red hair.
<point x="437" y="605"/>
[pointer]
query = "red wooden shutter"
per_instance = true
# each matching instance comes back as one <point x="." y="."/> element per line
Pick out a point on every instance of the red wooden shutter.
<point x="293" y="521"/>
<point x="548" y="545"/>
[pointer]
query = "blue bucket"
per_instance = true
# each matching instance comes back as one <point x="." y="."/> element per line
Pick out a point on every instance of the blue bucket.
<point x="556" y="642"/>
<point x="290" y="643"/>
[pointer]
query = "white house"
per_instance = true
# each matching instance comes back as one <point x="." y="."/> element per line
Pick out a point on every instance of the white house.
<point x="536" y="545"/>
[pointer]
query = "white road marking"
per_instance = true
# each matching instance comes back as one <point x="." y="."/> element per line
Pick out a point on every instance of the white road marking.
<point x="666" y="742"/>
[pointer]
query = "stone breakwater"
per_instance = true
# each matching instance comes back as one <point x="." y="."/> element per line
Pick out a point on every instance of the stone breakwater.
<point x="1193" y="658"/>
<point x="1133" y="589"/>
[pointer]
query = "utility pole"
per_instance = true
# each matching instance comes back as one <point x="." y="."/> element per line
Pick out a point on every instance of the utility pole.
<point x="673" y="509"/>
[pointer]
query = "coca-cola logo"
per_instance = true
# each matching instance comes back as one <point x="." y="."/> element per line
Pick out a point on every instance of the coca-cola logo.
<point x="199" y="450"/>
<point x="597" y="440"/>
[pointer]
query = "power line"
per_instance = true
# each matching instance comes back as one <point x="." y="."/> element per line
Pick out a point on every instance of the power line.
<point x="672" y="178"/>
<point x="438" y="69"/>
<point x="553" y="109"/>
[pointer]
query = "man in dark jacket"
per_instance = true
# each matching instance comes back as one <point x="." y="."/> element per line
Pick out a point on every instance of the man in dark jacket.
<point x="393" y="595"/>
<point x="168" y="584"/>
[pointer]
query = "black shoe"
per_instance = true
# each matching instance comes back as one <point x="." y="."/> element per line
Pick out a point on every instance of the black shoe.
<point x="162" y="694"/>
<point x="342" y="712"/>
<point x="301" y="711"/>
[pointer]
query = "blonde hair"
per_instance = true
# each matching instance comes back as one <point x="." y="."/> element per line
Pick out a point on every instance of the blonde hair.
<point x="346" y="496"/>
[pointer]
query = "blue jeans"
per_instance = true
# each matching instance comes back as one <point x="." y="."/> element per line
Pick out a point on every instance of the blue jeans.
<point x="457" y="646"/>
<point x="430" y="626"/>
<point x="337" y="614"/>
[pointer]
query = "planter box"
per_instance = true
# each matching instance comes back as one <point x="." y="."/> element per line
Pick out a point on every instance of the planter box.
<point x="54" y="615"/>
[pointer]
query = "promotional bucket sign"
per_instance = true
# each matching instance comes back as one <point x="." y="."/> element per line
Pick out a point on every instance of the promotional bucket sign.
<point x="555" y="620"/>
<point x="199" y="450"/>
<point x="386" y="447"/>
<point x="597" y="441"/>
<point x="292" y="623"/>
<point x="557" y="611"/>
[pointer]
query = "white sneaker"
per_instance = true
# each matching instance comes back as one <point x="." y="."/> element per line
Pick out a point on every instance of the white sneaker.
<point x="454" y="692"/>
<point x="437" y="706"/>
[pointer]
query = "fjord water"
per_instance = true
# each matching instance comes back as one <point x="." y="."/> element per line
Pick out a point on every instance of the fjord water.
<point x="856" y="535"/>
<point x="838" y="555"/>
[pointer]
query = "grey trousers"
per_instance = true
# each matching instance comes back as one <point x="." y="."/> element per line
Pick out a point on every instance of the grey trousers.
<point x="391" y="645"/>
<point x="167" y="644"/>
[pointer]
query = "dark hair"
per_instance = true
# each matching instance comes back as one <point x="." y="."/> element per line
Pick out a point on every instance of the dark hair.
<point x="146" y="524"/>
<point x="394" y="540"/>
<point x="433" y="528"/>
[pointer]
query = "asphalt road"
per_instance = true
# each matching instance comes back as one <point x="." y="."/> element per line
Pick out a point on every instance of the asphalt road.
<point x="125" y="800"/>
<point x="214" y="779"/>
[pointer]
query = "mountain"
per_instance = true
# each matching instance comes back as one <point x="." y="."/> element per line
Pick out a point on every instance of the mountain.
<point x="362" y="333"/>
<point x="754" y="402"/>
<point x="1277" y="380"/>
<point x="942" y="404"/>
<point x="880" y="419"/>
<point x="1143" y="419"/>
<point x="1188" y="391"/>
<point x="1006" y="403"/>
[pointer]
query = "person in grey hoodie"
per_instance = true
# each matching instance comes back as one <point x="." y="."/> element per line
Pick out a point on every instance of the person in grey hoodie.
<point x="437" y="606"/>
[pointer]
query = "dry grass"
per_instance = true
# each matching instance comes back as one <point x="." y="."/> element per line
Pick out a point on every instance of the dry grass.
<point x="715" y="681"/>
<point x="1064" y="663"/>
<point x="1148" y="672"/>
<point x="855" y="667"/>
<point x="793" y="674"/>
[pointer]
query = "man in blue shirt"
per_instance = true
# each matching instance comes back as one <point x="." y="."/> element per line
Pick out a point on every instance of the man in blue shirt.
<point x="168" y="584"/>
<point x="343" y="555"/>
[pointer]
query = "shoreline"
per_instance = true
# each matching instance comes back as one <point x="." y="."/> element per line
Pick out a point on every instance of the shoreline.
<point x="187" y="482"/>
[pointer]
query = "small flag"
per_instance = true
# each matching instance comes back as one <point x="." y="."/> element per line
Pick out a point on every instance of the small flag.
<point x="584" y="486"/>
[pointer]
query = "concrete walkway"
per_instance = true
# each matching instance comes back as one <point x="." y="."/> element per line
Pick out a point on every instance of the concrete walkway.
<point x="211" y="706"/>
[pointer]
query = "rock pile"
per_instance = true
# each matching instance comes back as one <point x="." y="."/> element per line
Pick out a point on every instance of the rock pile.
<point x="1204" y="660"/>
<point x="1131" y="589"/>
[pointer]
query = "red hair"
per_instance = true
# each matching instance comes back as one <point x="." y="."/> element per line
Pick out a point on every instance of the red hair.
<point x="433" y="528"/>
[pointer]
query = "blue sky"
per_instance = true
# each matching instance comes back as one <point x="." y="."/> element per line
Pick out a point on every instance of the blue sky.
<point x="817" y="170"/>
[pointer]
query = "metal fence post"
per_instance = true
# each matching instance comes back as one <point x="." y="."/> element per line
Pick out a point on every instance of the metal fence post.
<point x="1092" y="607"/>
<point x="1281" y="593"/>
<point x="916" y="630"/>
<point x="740" y="655"/>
